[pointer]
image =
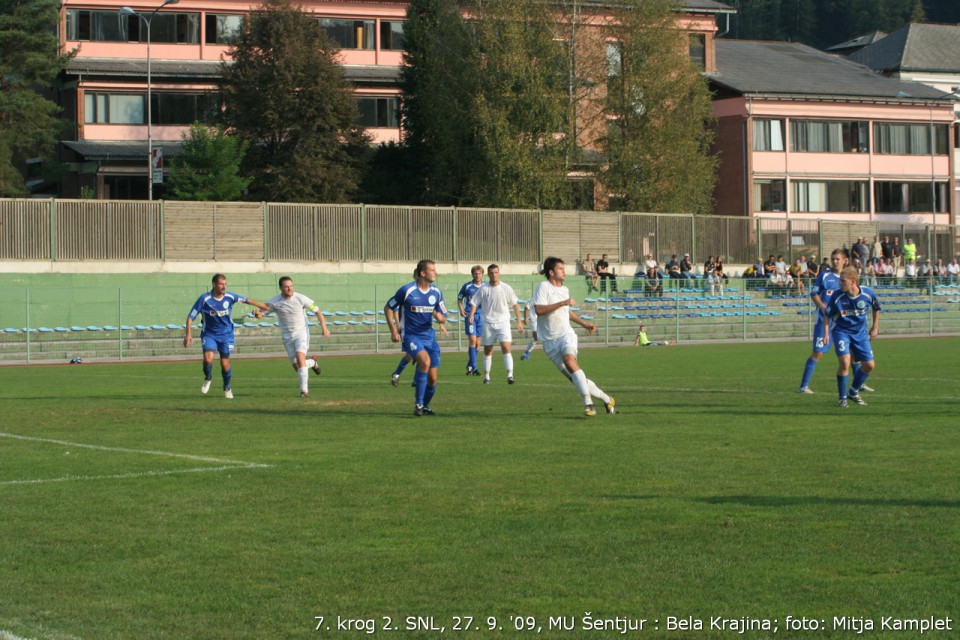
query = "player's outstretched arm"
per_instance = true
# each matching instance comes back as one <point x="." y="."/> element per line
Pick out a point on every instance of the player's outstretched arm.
<point x="188" y="337"/>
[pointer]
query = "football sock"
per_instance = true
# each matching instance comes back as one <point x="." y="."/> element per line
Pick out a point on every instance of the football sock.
<point x="596" y="392"/>
<point x="579" y="379"/>
<point x="401" y="366"/>
<point x="227" y="377"/>
<point x="533" y="343"/>
<point x="487" y="365"/>
<point x="428" y="395"/>
<point x="842" y="382"/>
<point x="808" y="370"/>
<point x="420" y="384"/>
<point x="302" y="374"/>
<point x="208" y="371"/>
<point x="508" y="363"/>
<point x="859" y="379"/>
<point x="472" y="357"/>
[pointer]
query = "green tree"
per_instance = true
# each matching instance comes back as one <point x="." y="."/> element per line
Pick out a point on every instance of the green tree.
<point x="485" y="103"/>
<point x="659" y="108"/>
<point x="286" y="96"/>
<point x="29" y="64"/>
<point x="209" y="167"/>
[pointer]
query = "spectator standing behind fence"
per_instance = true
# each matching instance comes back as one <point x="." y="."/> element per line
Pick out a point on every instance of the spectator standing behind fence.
<point x="590" y="271"/>
<point x="795" y="273"/>
<point x="653" y="284"/>
<point x="897" y="249"/>
<point x="861" y="251"/>
<point x="876" y="250"/>
<point x="770" y="266"/>
<point x="716" y="284"/>
<point x="940" y="271"/>
<point x="847" y="311"/>
<point x="673" y="267"/>
<point x="926" y="276"/>
<point x="886" y="249"/>
<point x="910" y="251"/>
<point x="813" y="269"/>
<point x="215" y="307"/>
<point x="781" y="266"/>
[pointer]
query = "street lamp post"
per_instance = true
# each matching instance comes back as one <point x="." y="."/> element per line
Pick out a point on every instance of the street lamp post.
<point x="127" y="11"/>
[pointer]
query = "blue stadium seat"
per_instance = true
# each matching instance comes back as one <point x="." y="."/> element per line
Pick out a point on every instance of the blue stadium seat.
<point x="94" y="327"/>
<point x="11" y="330"/>
<point x="45" y="330"/>
<point x="61" y="329"/>
<point x="73" y="328"/>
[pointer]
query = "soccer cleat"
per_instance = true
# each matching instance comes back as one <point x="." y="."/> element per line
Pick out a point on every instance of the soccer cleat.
<point x="842" y="404"/>
<point x="418" y="410"/>
<point x="395" y="380"/>
<point x="866" y="388"/>
<point x="486" y="381"/>
<point x="589" y="411"/>
<point x="427" y="411"/>
<point x="304" y="394"/>
<point x="316" y="366"/>
<point x="476" y="372"/>
<point x="470" y="371"/>
<point x="804" y="390"/>
<point x="858" y="400"/>
<point x="228" y="394"/>
<point x="510" y="380"/>
<point x="611" y="406"/>
<point x="205" y="386"/>
<point x="525" y="356"/>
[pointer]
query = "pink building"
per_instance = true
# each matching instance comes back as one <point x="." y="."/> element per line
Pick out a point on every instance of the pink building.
<point x="803" y="134"/>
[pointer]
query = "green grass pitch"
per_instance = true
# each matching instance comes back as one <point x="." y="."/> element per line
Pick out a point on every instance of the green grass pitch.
<point x="718" y="501"/>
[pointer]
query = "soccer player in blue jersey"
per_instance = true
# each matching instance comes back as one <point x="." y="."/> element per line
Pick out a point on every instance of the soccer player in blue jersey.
<point x="847" y="311"/>
<point x="410" y="314"/>
<point x="472" y="329"/>
<point x="828" y="281"/>
<point x="215" y="307"/>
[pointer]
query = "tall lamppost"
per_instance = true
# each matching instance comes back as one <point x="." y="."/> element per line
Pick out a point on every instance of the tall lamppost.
<point x="127" y="11"/>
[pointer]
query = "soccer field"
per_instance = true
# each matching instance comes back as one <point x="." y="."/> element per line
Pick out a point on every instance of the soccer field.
<point x="718" y="504"/>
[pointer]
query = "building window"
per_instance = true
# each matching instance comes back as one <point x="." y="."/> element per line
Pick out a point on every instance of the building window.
<point x="830" y="195"/>
<point x="698" y="50"/>
<point x="829" y="136"/>
<point x="614" y="66"/>
<point x="221" y="29"/>
<point x="770" y="195"/>
<point x="379" y="112"/>
<point x="181" y="28"/>
<point x="391" y="35"/>
<point x="349" y="34"/>
<point x="767" y="134"/>
<point x="911" y="197"/>
<point x="910" y="139"/>
<point x="96" y="26"/>
<point x="168" y="108"/>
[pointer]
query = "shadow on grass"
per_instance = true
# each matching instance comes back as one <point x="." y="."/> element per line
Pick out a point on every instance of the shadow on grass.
<point x="791" y="501"/>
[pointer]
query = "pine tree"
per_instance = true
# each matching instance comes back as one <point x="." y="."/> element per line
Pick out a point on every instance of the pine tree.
<point x="29" y="64"/>
<point x="286" y="97"/>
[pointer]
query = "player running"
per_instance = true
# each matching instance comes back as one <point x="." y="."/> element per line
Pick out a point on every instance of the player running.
<point x="410" y="314"/>
<point x="290" y="307"/>
<point x="215" y="307"/>
<point x="472" y="329"/>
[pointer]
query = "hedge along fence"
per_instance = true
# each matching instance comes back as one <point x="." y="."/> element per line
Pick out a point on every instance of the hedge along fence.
<point x="104" y="230"/>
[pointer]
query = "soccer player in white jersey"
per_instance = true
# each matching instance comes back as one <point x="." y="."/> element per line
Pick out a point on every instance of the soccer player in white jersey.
<point x="530" y="319"/>
<point x="290" y="308"/>
<point x="215" y="307"/>
<point x="495" y="300"/>
<point x="552" y="301"/>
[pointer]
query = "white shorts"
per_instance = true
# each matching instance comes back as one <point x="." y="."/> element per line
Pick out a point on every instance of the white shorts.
<point x="493" y="335"/>
<point x="297" y="344"/>
<point x="556" y="349"/>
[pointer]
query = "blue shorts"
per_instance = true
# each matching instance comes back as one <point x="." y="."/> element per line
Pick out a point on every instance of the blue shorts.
<point x="818" y="331"/>
<point x="857" y="346"/>
<point x="225" y="345"/>
<point x="412" y="345"/>
<point x="474" y="330"/>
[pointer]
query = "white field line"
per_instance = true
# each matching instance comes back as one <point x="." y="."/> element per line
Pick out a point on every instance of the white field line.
<point x="222" y="464"/>
<point x="6" y="635"/>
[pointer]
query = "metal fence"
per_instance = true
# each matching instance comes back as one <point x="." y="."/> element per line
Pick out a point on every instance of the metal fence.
<point x="58" y="324"/>
<point x="97" y="230"/>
